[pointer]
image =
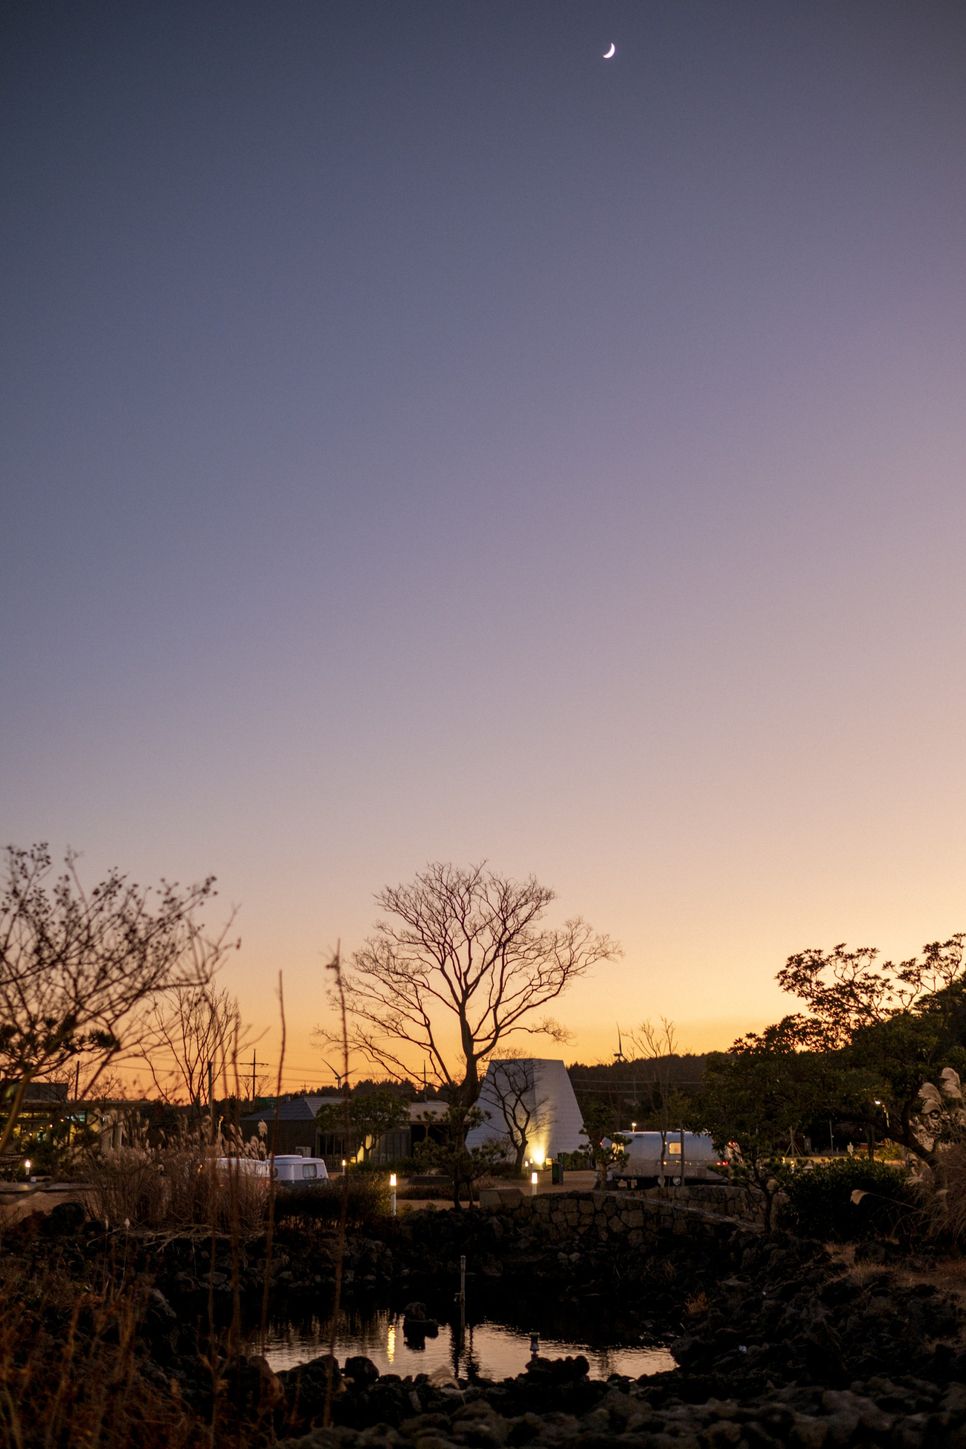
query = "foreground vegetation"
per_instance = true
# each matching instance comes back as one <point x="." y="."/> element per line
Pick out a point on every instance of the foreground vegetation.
<point x="132" y="1336"/>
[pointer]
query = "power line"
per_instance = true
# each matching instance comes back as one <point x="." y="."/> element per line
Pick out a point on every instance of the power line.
<point x="644" y="1082"/>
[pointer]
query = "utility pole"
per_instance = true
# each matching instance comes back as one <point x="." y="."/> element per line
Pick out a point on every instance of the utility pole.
<point x="253" y="1076"/>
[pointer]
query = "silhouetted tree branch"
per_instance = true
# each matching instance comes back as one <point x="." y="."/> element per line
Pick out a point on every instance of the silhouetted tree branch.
<point x="462" y="965"/>
<point x="77" y="967"/>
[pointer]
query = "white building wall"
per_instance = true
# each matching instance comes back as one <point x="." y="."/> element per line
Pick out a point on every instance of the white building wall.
<point x="556" y="1124"/>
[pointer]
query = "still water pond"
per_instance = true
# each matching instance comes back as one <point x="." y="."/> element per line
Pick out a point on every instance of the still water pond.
<point x="488" y="1348"/>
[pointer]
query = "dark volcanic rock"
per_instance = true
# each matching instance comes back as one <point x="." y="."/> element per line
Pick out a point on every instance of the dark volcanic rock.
<point x="904" y="1414"/>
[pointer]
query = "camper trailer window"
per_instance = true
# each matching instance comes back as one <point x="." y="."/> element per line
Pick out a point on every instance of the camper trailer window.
<point x="309" y="1169"/>
<point x="674" y="1147"/>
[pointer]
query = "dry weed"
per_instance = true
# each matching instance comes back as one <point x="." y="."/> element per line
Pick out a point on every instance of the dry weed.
<point x="70" y="1368"/>
<point x="182" y="1183"/>
<point x="696" y="1306"/>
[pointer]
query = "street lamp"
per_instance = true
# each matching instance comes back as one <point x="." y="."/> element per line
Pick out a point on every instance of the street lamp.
<point x="392" y="1193"/>
<point x="533" y="1184"/>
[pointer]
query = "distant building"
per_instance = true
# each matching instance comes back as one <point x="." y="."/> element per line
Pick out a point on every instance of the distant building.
<point x="532" y="1096"/>
<point x="296" y="1130"/>
<point x="290" y="1125"/>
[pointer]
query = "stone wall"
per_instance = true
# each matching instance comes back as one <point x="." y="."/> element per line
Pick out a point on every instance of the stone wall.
<point x="19" y="1199"/>
<point x="746" y="1205"/>
<point x="637" y="1217"/>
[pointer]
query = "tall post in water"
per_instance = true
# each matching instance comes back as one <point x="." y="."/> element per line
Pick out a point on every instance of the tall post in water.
<point x="459" y="1339"/>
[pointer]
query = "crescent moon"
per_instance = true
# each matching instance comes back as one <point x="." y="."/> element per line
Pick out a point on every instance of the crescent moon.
<point x="611" y="52"/>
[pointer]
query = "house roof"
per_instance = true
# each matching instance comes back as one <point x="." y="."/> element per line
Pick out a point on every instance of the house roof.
<point x="303" y="1109"/>
<point x="45" y="1092"/>
<point x="296" y="1109"/>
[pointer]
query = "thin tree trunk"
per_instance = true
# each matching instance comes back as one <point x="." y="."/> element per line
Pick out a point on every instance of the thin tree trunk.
<point x="14" y="1113"/>
<point x="336" y="966"/>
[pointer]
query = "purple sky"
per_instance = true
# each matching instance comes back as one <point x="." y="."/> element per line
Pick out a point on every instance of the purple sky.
<point x="425" y="439"/>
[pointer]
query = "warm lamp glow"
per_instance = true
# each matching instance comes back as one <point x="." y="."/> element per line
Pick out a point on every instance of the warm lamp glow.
<point x="533" y="1178"/>
<point x="539" y="1157"/>
<point x="392" y="1179"/>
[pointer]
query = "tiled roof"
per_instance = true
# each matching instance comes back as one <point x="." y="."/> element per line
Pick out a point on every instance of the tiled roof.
<point x="297" y="1109"/>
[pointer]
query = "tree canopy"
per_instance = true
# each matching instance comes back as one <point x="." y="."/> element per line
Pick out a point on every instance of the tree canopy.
<point x="871" y="1038"/>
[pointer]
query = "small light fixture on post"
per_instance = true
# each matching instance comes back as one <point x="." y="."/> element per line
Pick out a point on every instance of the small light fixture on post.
<point x="533" y="1184"/>
<point x="633" y="1126"/>
<point x="392" y="1193"/>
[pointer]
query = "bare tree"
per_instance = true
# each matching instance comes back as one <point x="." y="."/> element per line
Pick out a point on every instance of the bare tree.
<point x="191" y="1036"/>
<point x="465" y="951"/>
<point x="657" y="1045"/>
<point x="76" y="967"/>
<point x="509" y="1088"/>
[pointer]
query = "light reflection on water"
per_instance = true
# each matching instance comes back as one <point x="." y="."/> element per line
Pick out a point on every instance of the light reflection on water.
<point x="493" y="1350"/>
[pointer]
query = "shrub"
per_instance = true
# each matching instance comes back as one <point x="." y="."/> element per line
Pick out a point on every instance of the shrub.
<point x="819" y="1200"/>
<point x="368" y="1200"/>
<point x="402" y="1166"/>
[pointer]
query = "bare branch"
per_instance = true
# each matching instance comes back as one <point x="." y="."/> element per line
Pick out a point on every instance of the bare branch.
<point x="462" y="949"/>
<point x="77" y="967"/>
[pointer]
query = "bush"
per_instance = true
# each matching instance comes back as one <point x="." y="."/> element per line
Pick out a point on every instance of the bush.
<point x="819" y="1200"/>
<point x="368" y="1200"/>
<point x="402" y="1166"/>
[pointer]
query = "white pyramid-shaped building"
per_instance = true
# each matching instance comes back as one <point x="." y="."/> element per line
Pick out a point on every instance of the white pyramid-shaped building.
<point x="532" y="1096"/>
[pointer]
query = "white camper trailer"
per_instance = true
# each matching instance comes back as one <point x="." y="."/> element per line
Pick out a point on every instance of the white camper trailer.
<point x="293" y="1168"/>
<point x="678" y="1157"/>
<point x="288" y="1167"/>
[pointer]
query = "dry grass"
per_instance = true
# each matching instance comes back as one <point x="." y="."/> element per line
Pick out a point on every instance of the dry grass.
<point x="697" y="1306"/>
<point x="947" y="1274"/>
<point x="176" y="1185"/>
<point x="943" y="1202"/>
<point x="70" y="1366"/>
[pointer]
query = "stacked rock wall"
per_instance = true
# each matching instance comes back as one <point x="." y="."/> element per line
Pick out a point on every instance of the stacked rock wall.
<point x="576" y="1217"/>
<point x="747" y="1205"/>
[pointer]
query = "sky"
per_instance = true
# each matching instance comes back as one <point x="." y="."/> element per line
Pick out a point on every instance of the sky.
<point x="425" y="439"/>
